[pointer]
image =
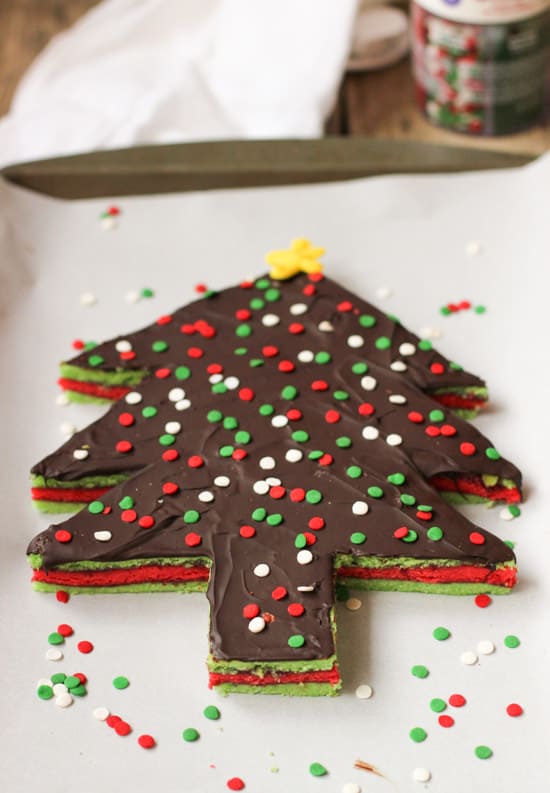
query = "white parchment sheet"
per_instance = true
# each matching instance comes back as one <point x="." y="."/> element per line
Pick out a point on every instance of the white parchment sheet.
<point x="406" y="233"/>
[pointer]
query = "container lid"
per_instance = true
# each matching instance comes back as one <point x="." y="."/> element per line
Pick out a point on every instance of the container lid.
<point x="485" y="12"/>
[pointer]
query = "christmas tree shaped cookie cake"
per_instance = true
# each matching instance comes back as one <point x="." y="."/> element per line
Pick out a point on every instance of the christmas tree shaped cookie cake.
<point x="267" y="442"/>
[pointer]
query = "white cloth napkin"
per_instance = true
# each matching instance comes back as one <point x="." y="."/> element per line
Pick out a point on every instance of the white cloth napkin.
<point x="157" y="71"/>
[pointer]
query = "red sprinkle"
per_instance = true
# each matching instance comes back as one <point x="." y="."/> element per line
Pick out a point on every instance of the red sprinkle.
<point x="482" y="601"/>
<point x="122" y="728"/>
<point x="85" y="647"/>
<point x="124" y="447"/>
<point x="243" y="314"/>
<point x="192" y="539"/>
<point x="446" y="721"/>
<point x="146" y="522"/>
<point x="309" y="290"/>
<point x="195" y="352"/>
<point x="432" y="431"/>
<point x="437" y="368"/>
<point x="295" y="609"/>
<point x="415" y="417"/>
<point x="78" y="344"/>
<point x="297" y="494"/>
<point x="251" y="610"/>
<point x="195" y="461"/>
<point x="169" y="488"/>
<point x="235" y="783"/>
<point x="146" y="741"/>
<point x="200" y="288"/>
<point x="62" y="535"/>
<point x="316" y="523"/>
<point x="164" y="320"/>
<point x="246" y="394"/>
<point x="247" y="532"/>
<point x="239" y="454"/>
<point x="448" y="430"/>
<point x="81" y="676"/>
<point x="514" y="710"/>
<point x="332" y="417"/>
<point x="170" y="455"/>
<point x="457" y="700"/>
<point x="294" y="414"/>
<point x="295" y="328"/>
<point x="62" y="596"/>
<point x="65" y="630"/>
<point x="401" y="532"/>
<point x="128" y="515"/>
<point x="270" y="351"/>
<point x="366" y="409"/>
<point x="345" y="305"/>
<point x="286" y="366"/>
<point x="277" y="491"/>
<point x="113" y="720"/>
<point x="163" y="373"/>
<point x="279" y="593"/>
<point x="476" y="538"/>
<point x="319" y="385"/>
<point x="467" y="448"/>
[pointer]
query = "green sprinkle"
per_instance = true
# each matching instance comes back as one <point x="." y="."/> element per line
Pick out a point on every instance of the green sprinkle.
<point x="316" y="769"/>
<point x="397" y="479"/>
<point x="289" y="392"/>
<point x="316" y="454"/>
<point x="230" y="423"/>
<point x="147" y="292"/>
<point x="214" y="416"/>
<point x="55" y="638"/>
<point x="424" y="508"/>
<point x="480" y="309"/>
<point x="243" y="331"/>
<point x="211" y="712"/>
<point x="382" y="343"/>
<point x="483" y="752"/>
<point x="367" y="320"/>
<point x="226" y="451"/>
<point x="511" y="641"/>
<point x="190" y="734"/>
<point x="417" y="734"/>
<point x="407" y="499"/>
<point x="255" y="362"/>
<point x="95" y="360"/>
<point x="59" y="677"/>
<point x="456" y="366"/>
<point x="424" y="344"/>
<point x="45" y="692"/>
<point x="421" y="671"/>
<point x="411" y="536"/>
<point x="445" y="310"/>
<point x="96" y="507"/>
<point x="126" y="503"/>
<point x="323" y="357"/>
<point x="358" y="538"/>
<point x="441" y="634"/>
<point x="436" y="415"/>
<point x="72" y="682"/>
<point x="375" y="492"/>
<point x="262" y="283"/>
<point x="438" y="705"/>
<point x="182" y="373"/>
<point x="343" y="442"/>
<point x="274" y="520"/>
<point x="79" y="691"/>
<point x="167" y="439"/>
<point x="314" y="496"/>
<point x="121" y="682"/>
<point x="514" y="510"/>
<point x="272" y="295"/>
<point x="360" y="368"/>
<point x="300" y="541"/>
<point x="90" y="345"/>
<point x="149" y="411"/>
<point x="435" y="533"/>
<point x="296" y="641"/>
<point x="191" y="516"/>
<point x="259" y="514"/>
<point x="159" y="346"/>
<point x="242" y="436"/>
<point x="492" y="453"/>
<point x="341" y="396"/>
<point x="300" y="436"/>
<point x="256" y="303"/>
<point x="354" y="471"/>
<point x="266" y="410"/>
<point x="219" y="388"/>
<point x="240" y="351"/>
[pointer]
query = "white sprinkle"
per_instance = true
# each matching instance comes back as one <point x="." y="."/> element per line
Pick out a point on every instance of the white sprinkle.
<point x="53" y="654"/>
<point x="80" y="454"/>
<point x="306" y="588"/>
<point x="355" y="341"/>
<point x="59" y="688"/>
<point x="101" y="713"/>
<point x="132" y="297"/>
<point x="398" y="366"/>
<point x="304" y="556"/>
<point x="364" y="691"/>
<point x="505" y="514"/>
<point x="123" y="346"/>
<point x="383" y="292"/>
<point x="351" y="787"/>
<point x="172" y="427"/>
<point x="468" y="657"/>
<point x="64" y="700"/>
<point x="262" y="570"/>
<point x="394" y="439"/>
<point x="108" y="223"/>
<point x="232" y="382"/>
<point x="183" y="404"/>
<point x="222" y="481"/>
<point x="421" y="774"/>
<point x="368" y="382"/>
<point x="206" y="496"/>
<point x="267" y="463"/>
<point x="305" y="356"/>
<point x="102" y="536"/>
<point x="360" y="508"/>
<point x="67" y="428"/>
<point x="353" y="604"/>
<point x="279" y="421"/>
<point x="294" y="456"/>
<point x="325" y="326"/>
<point x="260" y="487"/>
<point x="175" y="394"/>
<point x="370" y="433"/>
<point x="485" y="647"/>
<point x="88" y="299"/>
<point x="215" y="378"/>
<point x="133" y="398"/>
<point x="407" y="348"/>
<point x="397" y="399"/>
<point x="273" y="481"/>
<point x="62" y="399"/>
<point x="429" y="332"/>
<point x="298" y="308"/>
<point x="256" y="624"/>
<point x="473" y="248"/>
<point x="270" y="320"/>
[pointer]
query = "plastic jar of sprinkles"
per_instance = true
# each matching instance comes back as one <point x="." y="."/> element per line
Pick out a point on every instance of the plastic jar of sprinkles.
<point x="482" y="66"/>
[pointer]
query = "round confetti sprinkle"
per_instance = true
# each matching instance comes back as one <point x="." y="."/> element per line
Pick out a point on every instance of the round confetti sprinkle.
<point x="64" y="699"/>
<point x="61" y="596"/>
<point x="262" y="570"/>
<point x="59" y="688"/>
<point x="85" y="647"/>
<point x="235" y="783"/>
<point x="418" y="734"/>
<point x="511" y="641"/>
<point x="256" y="625"/>
<point x="469" y="658"/>
<point x="121" y="682"/>
<point x="296" y="641"/>
<point x="419" y="670"/>
<point x="211" y="712"/>
<point x="122" y="728"/>
<point x="146" y="741"/>
<point x="457" y="700"/>
<point x="351" y="787"/>
<point x="482" y="601"/>
<point x="364" y="691"/>
<point x="190" y="734"/>
<point x="53" y="654"/>
<point x="304" y="557"/>
<point x="55" y="638"/>
<point x="421" y="775"/>
<point x="353" y="604"/>
<point x="45" y="692"/>
<point x="317" y="769"/>
<point x="514" y="710"/>
<point x="438" y="705"/>
<point x="485" y="647"/>
<point x="483" y="752"/>
<point x="101" y="713"/>
<point x="441" y="634"/>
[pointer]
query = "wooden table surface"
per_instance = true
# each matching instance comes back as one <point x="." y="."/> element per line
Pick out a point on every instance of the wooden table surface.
<point x="376" y="104"/>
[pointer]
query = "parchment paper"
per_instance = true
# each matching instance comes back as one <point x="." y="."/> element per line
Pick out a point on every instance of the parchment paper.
<point x="405" y="233"/>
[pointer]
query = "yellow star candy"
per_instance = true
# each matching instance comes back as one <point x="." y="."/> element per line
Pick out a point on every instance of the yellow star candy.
<point x="301" y="257"/>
